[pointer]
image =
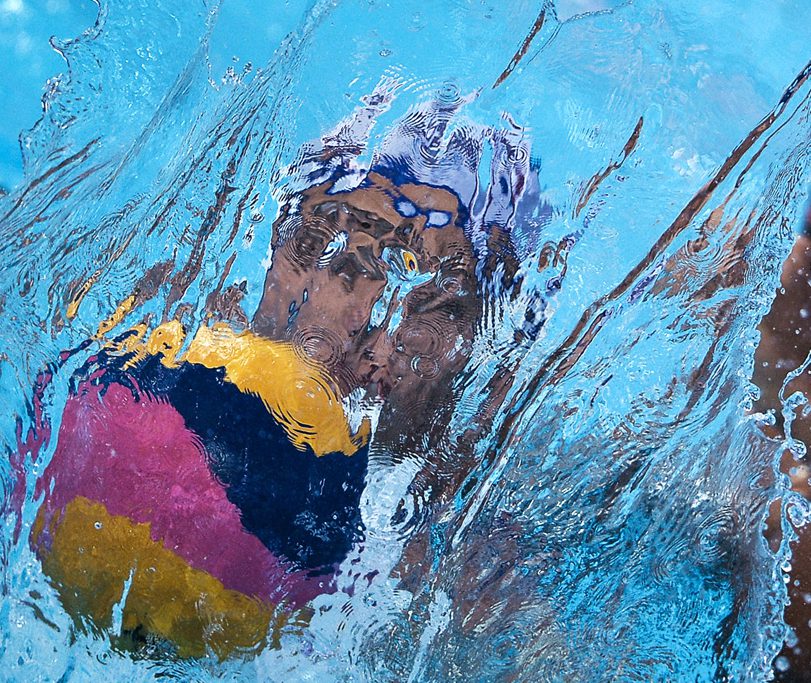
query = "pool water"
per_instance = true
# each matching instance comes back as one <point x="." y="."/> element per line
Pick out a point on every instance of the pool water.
<point x="387" y="341"/>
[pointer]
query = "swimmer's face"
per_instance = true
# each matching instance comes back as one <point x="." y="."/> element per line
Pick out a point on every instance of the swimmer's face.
<point x="378" y="285"/>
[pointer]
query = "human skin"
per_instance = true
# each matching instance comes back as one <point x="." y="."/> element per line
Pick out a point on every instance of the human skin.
<point x="409" y="354"/>
<point x="784" y="345"/>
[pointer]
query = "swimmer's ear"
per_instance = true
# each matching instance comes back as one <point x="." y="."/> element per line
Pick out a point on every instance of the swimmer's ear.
<point x="277" y="228"/>
<point x="284" y="226"/>
<point x="292" y="212"/>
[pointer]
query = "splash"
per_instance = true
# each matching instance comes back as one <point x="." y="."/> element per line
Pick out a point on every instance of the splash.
<point x="514" y="256"/>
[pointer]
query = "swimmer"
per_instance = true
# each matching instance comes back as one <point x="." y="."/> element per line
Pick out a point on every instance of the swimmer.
<point x="785" y="343"/>
<point x="210" y="488"/>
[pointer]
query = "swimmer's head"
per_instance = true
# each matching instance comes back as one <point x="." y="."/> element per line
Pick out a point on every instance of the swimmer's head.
<point x="379" y="271"/>
<point x="378" y="283"/>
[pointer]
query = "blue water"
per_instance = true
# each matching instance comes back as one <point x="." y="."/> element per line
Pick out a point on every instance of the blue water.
<point x="610" y="524"/>
<point x="27" y="26"/>
<point x="28" y="62"/>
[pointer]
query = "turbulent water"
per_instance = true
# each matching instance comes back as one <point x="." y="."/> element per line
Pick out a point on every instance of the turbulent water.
<point x="646" y="162"/>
